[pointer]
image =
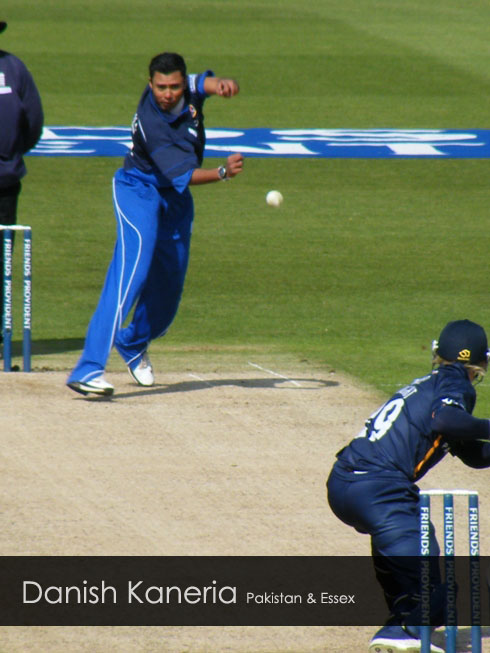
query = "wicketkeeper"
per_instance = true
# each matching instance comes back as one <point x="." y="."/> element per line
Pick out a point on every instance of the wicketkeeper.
<point x="372" y="486"/>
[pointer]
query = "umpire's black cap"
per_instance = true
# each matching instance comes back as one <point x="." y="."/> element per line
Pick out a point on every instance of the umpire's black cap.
<point x="3" y="25"/>
<point x="463" y="341"/>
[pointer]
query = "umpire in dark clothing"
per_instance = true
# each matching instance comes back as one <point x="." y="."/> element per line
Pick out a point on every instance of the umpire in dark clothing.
<point x="21" y="123"/>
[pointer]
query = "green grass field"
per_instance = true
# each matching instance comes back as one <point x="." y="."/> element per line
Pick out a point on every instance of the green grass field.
<point x="365" y="261"/>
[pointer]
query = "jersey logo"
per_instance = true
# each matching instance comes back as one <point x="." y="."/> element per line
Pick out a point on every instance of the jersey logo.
<point x="464" y="355"/>
<point x="3" y="88"/>
<point x="447" y="401"/>
<point x="192" y="110"/>
<point x="134" y="124"/>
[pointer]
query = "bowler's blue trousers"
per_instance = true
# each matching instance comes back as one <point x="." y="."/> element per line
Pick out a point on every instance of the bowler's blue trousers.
<point x="148" y="269"/>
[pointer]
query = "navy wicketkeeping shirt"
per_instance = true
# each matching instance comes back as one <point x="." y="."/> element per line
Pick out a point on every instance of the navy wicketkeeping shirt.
<point x="421" y="422"/>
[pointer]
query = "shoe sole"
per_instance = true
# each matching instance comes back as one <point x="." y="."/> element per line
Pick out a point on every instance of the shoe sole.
<point x="85" y="389"/>
<point x="397" y="647"/>
<point x="392" y="647"/>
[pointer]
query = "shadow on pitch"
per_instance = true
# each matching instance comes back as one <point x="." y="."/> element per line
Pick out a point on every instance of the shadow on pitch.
<point x="463" y="638"/>
<point x="192" y="386"/>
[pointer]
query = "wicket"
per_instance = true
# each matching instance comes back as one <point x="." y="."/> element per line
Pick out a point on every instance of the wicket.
<point x="7" y="295"/>
<point x="450" y="568"/>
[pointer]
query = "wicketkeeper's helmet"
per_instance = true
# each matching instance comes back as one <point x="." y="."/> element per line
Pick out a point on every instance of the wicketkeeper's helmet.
<point x="463" y="341"/>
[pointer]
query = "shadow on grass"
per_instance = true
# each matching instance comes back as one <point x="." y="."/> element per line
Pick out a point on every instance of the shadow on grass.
<point x="49" y="346"/>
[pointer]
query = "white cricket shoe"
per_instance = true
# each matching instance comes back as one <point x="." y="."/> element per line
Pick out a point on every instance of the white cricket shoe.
<point x="394" y="639"/>
<point x="97" y="386"/>
<point x="143" y="372"/>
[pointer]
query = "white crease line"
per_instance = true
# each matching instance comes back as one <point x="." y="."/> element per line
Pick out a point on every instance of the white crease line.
<point x="195" y="376"/>
<point x="275" y="374"/>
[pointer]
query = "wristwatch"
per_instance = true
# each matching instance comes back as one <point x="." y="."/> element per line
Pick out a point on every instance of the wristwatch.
<point x="222" y="173"/>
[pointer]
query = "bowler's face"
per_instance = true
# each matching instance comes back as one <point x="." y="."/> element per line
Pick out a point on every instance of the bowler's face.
<point x="168" y="89"/>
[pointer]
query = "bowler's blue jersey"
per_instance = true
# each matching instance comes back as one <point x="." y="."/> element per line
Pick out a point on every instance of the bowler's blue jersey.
<point x="166" y="147"/>
<point x="400" y="436"/>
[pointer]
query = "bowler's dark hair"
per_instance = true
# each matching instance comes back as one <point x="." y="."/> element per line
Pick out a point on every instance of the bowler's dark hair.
<point x="166" y="63"/>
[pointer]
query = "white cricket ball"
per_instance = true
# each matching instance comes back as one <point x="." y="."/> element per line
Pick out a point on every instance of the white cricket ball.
<point x="274" y="198"/>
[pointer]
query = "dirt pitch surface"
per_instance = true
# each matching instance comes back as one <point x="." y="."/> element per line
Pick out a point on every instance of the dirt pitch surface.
<point x="200" y="464"/>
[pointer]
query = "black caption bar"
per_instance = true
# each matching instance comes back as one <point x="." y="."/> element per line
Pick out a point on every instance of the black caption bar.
<point x="206" y="591"/>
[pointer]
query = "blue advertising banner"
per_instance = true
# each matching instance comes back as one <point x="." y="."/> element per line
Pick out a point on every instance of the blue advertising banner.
<point x="298" y="143"/>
